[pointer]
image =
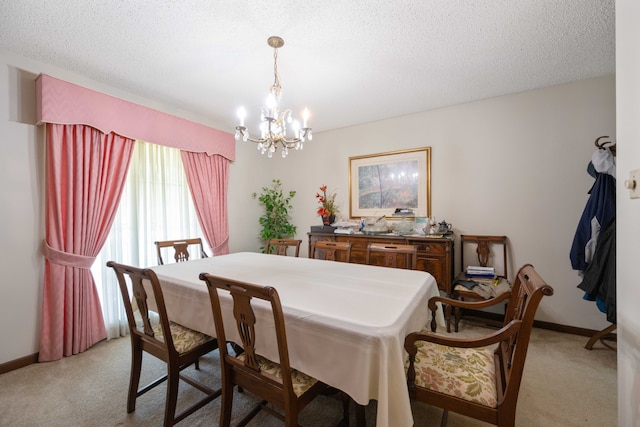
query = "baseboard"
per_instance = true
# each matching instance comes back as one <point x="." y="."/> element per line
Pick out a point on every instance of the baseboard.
<point x="495" y="319"/>
<point x="18" y="363"/>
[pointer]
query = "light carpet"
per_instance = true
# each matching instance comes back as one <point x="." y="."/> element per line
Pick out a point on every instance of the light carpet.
<point x="563" y="385"/>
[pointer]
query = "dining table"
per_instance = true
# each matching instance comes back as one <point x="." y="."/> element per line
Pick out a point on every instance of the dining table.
<point x="345" y="323"/>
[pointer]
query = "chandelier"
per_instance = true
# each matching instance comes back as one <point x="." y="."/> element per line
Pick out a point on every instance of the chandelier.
<point x="273" y="122"/>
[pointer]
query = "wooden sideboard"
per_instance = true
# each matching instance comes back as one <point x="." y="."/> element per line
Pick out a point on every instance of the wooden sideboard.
<point x="435" y="254"/>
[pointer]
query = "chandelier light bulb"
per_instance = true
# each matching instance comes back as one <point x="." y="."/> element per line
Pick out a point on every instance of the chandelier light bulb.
<point x="242" y="113"/>
<point x="273" y="123"/>
<point x="305" y="117"/>
<point x="271" y="103"/>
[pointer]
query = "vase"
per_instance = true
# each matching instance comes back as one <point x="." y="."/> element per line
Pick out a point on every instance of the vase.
<point x="328" y="220"/>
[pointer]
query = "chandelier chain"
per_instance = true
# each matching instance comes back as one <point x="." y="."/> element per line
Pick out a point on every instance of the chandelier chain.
<point x="276" y="77"/>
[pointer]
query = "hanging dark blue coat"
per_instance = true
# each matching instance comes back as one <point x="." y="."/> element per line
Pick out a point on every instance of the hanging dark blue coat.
<point x="598" y="213"/>
<point x="599" y="280"/>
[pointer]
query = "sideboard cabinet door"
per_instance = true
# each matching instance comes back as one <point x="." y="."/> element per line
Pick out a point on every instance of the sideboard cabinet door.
<point x="436" y="257"/>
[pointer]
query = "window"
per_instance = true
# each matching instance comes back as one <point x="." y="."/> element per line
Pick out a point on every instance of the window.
<point x="156" y="205"/>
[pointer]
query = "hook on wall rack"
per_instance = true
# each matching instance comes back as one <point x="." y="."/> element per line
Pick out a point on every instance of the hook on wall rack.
<point x="605" y="144"/>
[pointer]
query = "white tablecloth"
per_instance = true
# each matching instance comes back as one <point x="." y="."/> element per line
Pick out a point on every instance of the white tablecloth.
<point x="345" y="323"/>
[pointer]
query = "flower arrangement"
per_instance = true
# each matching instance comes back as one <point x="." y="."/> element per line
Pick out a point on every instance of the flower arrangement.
<point x="327" y="204"/>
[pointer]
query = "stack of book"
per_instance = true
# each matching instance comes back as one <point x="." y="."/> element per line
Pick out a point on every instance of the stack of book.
<point x="478" y="272"/>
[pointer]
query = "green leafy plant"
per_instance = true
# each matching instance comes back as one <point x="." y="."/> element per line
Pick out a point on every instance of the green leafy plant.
<point x="276" y="219"/>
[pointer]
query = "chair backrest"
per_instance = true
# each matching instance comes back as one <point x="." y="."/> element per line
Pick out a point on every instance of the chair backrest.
<point x="391" y="253"/>
<point x="326" y="249"/>
<point x="181" y="252"/>
<point x="245" y="371"/>
<point x="131" y="281"/>
<point x="486" y="249"/>
<point x="526" y="294"/>
<point x="280" y="246"/>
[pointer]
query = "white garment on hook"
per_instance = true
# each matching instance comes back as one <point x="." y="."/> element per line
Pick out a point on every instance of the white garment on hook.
<point x="604" y="161"/>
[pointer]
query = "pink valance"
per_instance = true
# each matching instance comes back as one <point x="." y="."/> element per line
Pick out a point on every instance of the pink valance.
<point x="62" y="102"/>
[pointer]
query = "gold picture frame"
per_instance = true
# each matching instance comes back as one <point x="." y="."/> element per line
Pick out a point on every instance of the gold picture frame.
<point x="380" y="183"/>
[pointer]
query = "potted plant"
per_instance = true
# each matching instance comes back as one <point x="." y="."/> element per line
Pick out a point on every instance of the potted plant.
<point x="276" y="219"/>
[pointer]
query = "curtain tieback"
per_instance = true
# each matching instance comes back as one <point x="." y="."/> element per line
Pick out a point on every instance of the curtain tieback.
<point x="67" y="259"/>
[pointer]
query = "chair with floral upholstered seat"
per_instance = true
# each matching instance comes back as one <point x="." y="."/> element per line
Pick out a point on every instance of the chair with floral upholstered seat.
<point x="176" y="345"/>
<point x="477" y="377"/>
<point x="278" y="384"/>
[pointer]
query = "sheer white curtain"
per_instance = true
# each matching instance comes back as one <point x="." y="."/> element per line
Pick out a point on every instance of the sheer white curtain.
<point x="156" y="205"/>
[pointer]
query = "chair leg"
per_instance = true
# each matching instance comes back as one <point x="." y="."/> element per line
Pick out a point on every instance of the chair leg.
<point x="291" y="418"/>
<point x="173" y="378"/>
<point x="361" y="420"/>
<point x="445" y="417"/>
<point x="346" y="401"/>
<point x="226" y="404"/>
<point x="134" y="380"/>
<point x="360" y="412"/>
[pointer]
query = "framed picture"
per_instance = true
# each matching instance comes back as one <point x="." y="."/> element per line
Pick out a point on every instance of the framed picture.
<point x="380" y="183"/>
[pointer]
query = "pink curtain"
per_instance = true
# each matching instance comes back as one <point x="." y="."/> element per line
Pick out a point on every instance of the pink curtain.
<point x="208" y="178"/>
<point x="86" y="170"/>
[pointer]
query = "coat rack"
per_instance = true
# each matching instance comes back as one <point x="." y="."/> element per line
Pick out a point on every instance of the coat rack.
<point x="606" y="334"/>
<point x="603" y="335"/>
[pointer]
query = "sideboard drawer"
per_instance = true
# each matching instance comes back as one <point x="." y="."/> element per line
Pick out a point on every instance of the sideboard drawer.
<point x="434" y="249"/>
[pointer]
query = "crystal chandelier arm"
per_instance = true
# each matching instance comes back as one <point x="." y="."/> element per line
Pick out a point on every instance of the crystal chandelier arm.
<point x="304" y="132"/>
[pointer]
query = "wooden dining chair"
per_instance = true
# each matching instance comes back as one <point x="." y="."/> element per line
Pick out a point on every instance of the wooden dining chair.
<point x="392" y="255"/>
<point x="276" y="383"/>
<point x="281" y="246"/>
<point x="176" y="345"/>
<point x="477" y="377"/>
<point x="330" y="250"/>
<point x="180" y="247"/>
<point x="483" y="251"/>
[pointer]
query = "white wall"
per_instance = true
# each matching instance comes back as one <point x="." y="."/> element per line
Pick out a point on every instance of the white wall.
<point x="22" y="197"/>
<point x="513" y="165"/>
<point x="628" y="214"/>
<point x="21" y="228"/>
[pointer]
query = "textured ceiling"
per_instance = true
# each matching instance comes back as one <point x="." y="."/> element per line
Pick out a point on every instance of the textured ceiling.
<point x="350" y="62"/>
